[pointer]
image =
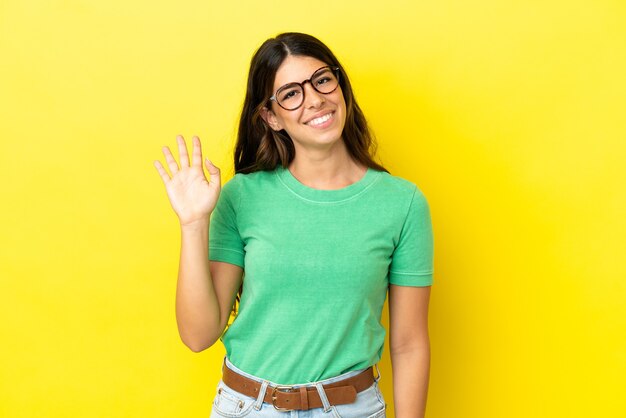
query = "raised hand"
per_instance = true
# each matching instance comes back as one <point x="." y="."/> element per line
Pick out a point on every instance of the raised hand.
<point x="192" y="196"/>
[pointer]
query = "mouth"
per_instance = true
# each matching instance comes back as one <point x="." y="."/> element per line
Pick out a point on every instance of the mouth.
<point x="321" y="121"/>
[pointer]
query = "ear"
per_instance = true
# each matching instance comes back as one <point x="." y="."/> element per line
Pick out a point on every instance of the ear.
<point x="270" y="118"/>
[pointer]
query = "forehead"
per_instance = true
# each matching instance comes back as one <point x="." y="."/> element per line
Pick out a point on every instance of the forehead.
<point x="296" y="69"/>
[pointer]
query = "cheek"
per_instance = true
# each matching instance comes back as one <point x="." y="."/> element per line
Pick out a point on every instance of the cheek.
<point x="288" y="120"/>
<point x="341" y="100"/>
<point x="292" y="116"/>
<point x="344" y="107"/>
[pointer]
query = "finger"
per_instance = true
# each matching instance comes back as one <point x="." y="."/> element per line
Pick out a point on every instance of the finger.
<point x="216" y="177"/>
<point x="171" y="162"/>
<point x="182" y="152"/>
<point x="197" y="153"/>
<point x="162" y="172"/>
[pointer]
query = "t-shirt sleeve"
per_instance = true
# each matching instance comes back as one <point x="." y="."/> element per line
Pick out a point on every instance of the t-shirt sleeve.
<point x="225" y="243"/>
<point x="412" y="259"/>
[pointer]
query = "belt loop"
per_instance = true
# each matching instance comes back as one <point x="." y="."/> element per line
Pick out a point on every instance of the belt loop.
<point x="377" y="378"/>
<point x="259" y="400"/>
<point x="320" y="390"/>
<point x="304" y="398"/>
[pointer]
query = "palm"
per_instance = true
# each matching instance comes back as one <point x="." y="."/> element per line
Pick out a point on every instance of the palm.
<point x="191" y="195"/>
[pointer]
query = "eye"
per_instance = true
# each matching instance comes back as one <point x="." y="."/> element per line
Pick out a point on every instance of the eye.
<point x="289" y="93"/>
<point x="323" y="80"/>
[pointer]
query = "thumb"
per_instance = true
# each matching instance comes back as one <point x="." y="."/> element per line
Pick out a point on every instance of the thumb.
<point x="214" y="172"/>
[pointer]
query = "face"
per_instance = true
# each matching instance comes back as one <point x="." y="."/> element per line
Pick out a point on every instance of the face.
<point x="319" y="122"/>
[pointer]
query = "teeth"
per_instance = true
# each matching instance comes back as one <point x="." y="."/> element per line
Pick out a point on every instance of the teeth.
<point x="320" y="120"/>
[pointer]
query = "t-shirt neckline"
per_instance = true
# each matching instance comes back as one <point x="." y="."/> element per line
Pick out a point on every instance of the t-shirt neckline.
<point x="326" y="196"/>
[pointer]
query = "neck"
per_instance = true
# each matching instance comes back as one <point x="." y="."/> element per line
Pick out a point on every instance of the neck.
<point x="326" y="169"/>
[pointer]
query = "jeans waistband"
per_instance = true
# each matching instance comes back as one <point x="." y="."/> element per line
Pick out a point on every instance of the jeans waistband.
<point x="323" y="382"/>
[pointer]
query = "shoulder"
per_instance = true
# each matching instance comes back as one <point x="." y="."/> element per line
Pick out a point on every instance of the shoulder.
<point x="400" y="188"/>
<point x="242" y="180"/>
<point x="252" y="185"/>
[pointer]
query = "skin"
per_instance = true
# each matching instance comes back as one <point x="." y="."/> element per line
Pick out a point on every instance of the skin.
<point x="206" y="289"/>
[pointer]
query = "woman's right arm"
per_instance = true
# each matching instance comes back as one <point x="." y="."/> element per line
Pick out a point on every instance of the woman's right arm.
<point x="206" y="290"/>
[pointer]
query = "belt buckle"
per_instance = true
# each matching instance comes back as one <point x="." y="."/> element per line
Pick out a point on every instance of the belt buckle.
<point x="280" y="388"/>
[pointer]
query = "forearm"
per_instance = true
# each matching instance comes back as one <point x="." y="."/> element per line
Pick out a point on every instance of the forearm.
<point x="197" y="307"/>
<point x="411" y="371"/>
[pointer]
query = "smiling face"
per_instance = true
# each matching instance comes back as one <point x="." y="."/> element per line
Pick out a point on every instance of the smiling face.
<point x="319" y="122"/>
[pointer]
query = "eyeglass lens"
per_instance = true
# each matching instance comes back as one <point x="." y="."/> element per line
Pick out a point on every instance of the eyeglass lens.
<point x="291" y="96"/>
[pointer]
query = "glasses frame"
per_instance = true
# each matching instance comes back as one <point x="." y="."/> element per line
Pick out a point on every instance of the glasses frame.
<point x="333" y="68"/>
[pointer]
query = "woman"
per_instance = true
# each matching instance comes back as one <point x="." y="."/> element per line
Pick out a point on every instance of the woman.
<point x="322" y="232"/>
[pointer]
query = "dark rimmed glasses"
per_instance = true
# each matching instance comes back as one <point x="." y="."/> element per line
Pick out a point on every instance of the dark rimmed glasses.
<point x="324" y="80"/>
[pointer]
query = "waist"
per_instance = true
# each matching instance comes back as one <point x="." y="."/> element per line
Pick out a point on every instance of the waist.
<point x="337" y="390"/>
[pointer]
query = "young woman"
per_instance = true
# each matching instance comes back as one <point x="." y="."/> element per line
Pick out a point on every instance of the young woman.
<point x="321" y="233"/>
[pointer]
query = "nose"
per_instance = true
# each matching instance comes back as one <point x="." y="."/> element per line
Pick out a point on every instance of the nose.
<point x="312" y="97"/>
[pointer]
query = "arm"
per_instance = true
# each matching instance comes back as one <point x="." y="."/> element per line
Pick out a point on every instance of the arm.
<point x="409" y="348"/>
<point x="205" y="291"/>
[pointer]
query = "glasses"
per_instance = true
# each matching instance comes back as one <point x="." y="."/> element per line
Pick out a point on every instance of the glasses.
<point x="325" y="80"/>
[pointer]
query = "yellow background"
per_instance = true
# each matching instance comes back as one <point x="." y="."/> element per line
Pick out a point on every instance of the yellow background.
<point x="510" y="116"/>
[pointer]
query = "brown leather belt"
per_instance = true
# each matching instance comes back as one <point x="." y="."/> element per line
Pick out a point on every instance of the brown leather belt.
<point x="288" y="398"/>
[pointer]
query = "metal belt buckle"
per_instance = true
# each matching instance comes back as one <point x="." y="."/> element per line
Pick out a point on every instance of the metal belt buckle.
<point x="280" y="389"/>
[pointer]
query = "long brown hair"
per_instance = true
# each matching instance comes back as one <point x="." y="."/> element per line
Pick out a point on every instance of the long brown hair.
<point x="258" y="146"/>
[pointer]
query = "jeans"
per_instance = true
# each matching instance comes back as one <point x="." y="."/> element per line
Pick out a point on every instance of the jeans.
<point x="231" y="404"/>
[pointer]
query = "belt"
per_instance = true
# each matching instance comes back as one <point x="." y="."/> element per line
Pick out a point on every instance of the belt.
<point x="288" y="398"/>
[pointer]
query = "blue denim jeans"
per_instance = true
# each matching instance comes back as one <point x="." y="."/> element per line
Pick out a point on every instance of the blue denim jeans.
<point x="229" y="403"/>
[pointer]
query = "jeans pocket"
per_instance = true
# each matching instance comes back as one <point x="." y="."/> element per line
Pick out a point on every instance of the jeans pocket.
<point x="369" y="404"/>
<point x="381" y="399"/>
<point x="382" y="413"/>
<point x="230" y="403"/>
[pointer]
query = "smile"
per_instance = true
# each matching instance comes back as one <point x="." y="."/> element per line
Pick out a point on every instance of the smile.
<point x="319" y="121"/>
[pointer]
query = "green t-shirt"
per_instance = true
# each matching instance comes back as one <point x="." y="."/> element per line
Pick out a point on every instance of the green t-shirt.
<point x="317" y="265"/>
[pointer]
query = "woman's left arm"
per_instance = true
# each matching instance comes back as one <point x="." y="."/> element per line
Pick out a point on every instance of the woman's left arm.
<point x="409" y="348"/>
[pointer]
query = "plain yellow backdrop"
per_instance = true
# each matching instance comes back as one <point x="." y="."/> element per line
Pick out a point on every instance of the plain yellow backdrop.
<point x="510" y="116"/>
